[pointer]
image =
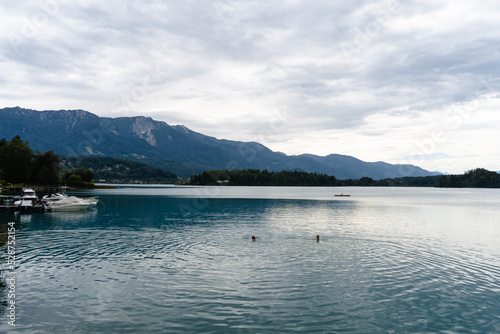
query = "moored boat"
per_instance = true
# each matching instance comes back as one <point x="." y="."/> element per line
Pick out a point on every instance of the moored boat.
<point x="28" y="202"/>
<point x="60" y="202"/>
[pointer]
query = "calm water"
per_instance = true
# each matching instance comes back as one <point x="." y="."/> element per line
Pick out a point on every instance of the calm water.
<point x="180" y="260"/>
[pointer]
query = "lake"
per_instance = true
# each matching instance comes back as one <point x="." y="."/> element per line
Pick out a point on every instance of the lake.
<point x="181" y="260"/>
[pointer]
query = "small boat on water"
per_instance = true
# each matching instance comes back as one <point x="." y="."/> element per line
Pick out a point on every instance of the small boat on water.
<point x="60" y="202"/>
<point x="28" y="202"/>
<point x="343" y="195"/>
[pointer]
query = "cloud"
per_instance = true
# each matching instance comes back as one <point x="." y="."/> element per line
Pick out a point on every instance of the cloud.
<point x="378" y="73"/>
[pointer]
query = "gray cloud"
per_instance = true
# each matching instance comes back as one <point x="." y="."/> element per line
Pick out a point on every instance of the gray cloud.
<point x="227" y="66"/>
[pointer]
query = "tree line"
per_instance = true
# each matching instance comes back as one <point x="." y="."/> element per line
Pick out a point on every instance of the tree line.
<point x="255" y="177"/>
<point x="19" y="164"/>
<point x="477" y="178"/>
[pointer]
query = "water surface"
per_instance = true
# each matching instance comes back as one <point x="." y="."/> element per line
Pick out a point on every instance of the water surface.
<point x="181" y="260"/>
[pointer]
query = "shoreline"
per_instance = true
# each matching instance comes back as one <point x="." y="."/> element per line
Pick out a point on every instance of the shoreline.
<point x="48" y="189"/>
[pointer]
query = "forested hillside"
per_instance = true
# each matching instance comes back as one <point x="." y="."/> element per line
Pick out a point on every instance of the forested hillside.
<point x="120" y="170"/>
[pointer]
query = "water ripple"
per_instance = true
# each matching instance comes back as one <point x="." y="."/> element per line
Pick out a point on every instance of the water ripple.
<point x="202" y="273"/>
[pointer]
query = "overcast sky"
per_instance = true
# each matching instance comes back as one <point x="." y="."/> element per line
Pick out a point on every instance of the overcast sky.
<point x="396" y="81"/>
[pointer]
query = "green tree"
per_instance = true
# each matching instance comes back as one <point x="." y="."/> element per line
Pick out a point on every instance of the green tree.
<point x="3" y="157"/>
<point x="366" y="181"/>
<point x="85" y="174"/>
<point x="74" y="179"/>
<point x="16" y="160"/>
<point x="46" y="169"/>
<point x="65" y="177"/>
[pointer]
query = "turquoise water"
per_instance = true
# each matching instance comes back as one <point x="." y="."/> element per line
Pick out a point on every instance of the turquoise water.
<point x="181" y="260"/>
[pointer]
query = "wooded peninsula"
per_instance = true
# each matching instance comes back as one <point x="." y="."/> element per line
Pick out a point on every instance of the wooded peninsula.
<point x="477" y="178"/>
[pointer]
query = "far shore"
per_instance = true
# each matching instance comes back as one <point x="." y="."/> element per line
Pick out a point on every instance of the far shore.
<point x="43" y="188"/>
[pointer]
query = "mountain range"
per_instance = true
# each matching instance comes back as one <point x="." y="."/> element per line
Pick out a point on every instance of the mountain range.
<point x="73" y="133"/>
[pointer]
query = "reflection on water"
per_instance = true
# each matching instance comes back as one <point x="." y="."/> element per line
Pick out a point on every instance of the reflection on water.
<point x="3" y="273"/>
<point x="175" y="263"/>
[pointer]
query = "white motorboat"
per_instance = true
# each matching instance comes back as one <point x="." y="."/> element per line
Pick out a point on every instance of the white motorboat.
<point x="28" y="195"/>
<point x="27" y="203"/>
<point x="53" y="198"/>
<point x="60" y="202"/>
<point x="25" y="206"/>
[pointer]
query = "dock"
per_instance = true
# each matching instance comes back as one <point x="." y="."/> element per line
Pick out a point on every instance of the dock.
<point x="27" y="202"/>
<point x="10" y="208"/>
<point x="14" y="208"/>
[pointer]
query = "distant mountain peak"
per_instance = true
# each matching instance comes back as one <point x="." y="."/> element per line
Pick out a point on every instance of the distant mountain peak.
<point x="143" y="127"/>
<point x="182" y="128"/>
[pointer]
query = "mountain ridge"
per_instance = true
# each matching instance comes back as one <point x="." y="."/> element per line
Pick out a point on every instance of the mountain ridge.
<point x="176" y="148"/>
